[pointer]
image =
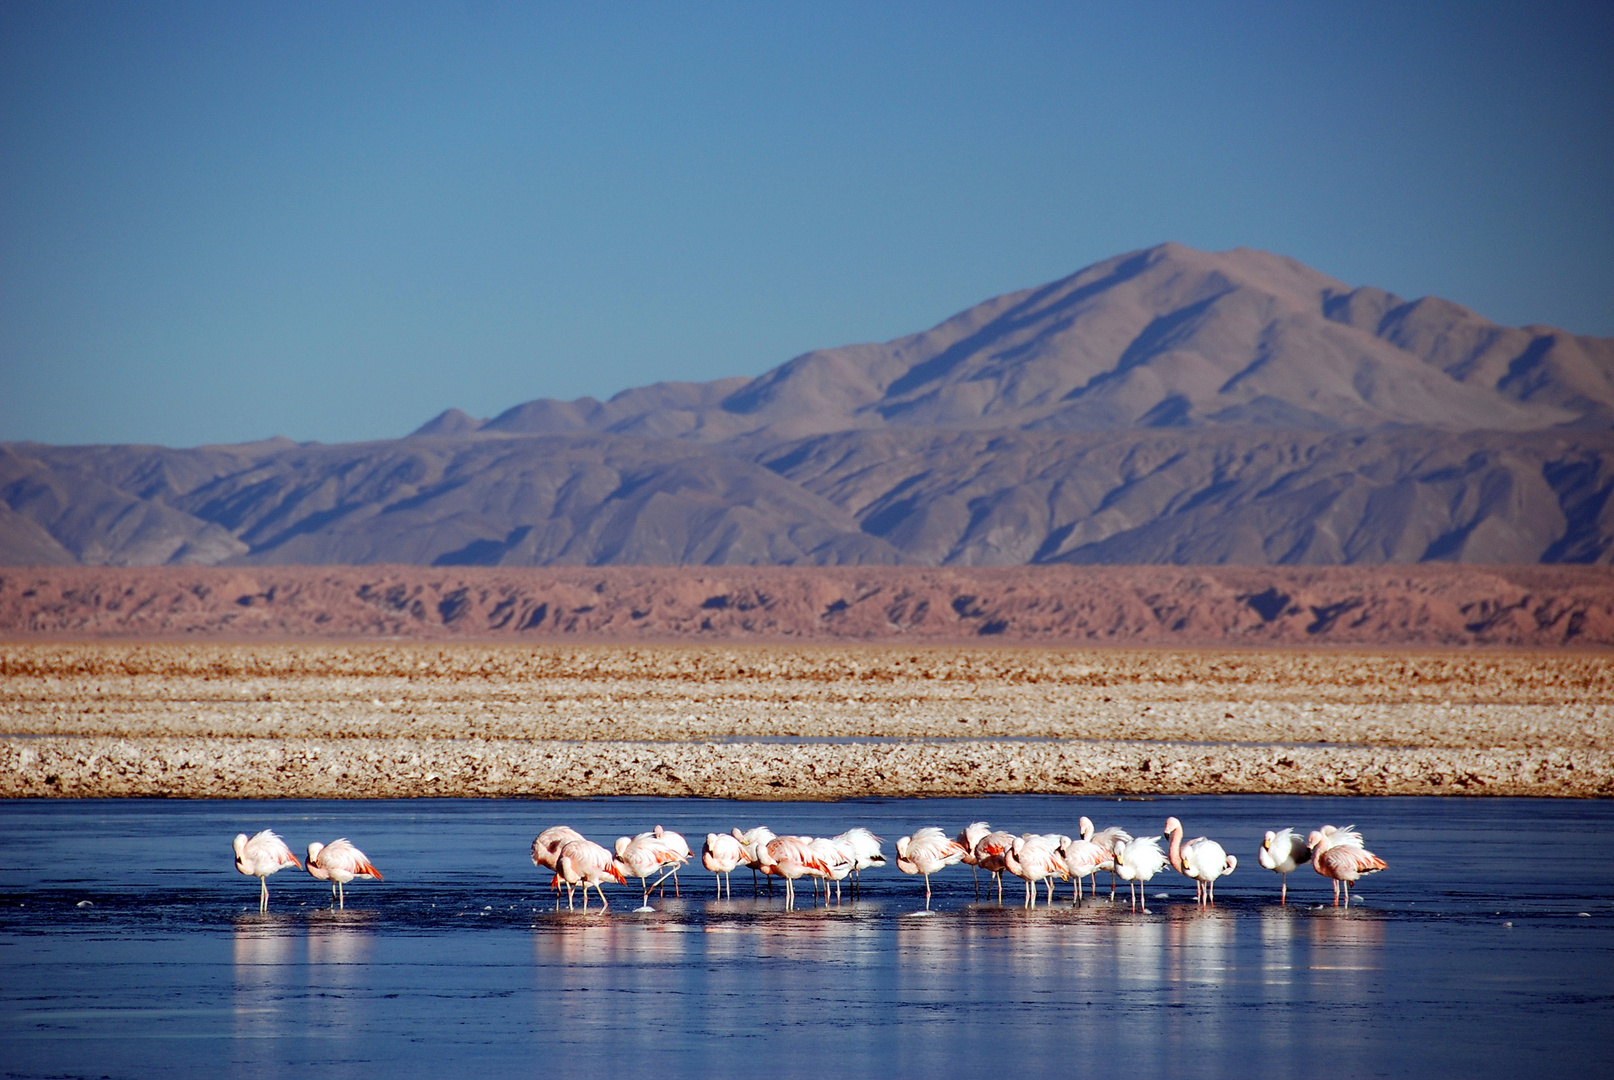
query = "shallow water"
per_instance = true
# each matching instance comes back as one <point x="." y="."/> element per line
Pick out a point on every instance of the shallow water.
<point x="1484" y="950"/>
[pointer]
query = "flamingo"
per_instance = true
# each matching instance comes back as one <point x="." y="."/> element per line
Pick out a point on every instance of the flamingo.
<point x="838" y="859"/>
<point x="1281" y="852"/>
<point x="585" y="863"/>
<point x="790" y="857"/>
<point x="261" y="856"/>
<point x="721" y="854"/>
<point x="967" y="840"/>
<point x="989" y="852"/>
<point x="339" y="862"/>
<point x="1201" y="859"/>
<point x="1084" y="858"/>
<point x="1106" y="840"/>
<point x="675" y="845"/>
<point x="546" y="854"/>
<point x="642" y="857"/>
<point x="1136" y="862"/>
<point x="1035" y="858"/>
<point x="1339" y="854"/>
<point x="865" y="847"/>
<point x="752" y="840"/>
<point x="925" y="852"/>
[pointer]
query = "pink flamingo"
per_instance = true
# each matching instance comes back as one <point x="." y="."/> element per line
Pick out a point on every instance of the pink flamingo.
<point x="546" y="854"/>
<point x="1106" y="840"/>
<point x="1035" y="859"/>
<point x="838" y="859"/>
<point x="926" y="852"/>
<point x="722" y="854"/>
<point x="791" y="857"/>
<point x="989" y="855"/>
<point x="339" y="862"/>
<point x="972" y="835"/>
<point x="751" y="842"/>
<point x="261" y="856"/>
<point x="1339" y="854"/>
<point x="585" y="863"/>
<point x="1084" y="859"/>
<point x="643" y="857"/>
<point x="1201" y="859"/>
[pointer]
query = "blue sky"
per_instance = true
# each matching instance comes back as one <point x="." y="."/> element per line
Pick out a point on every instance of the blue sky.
<point x="220" y="222"/>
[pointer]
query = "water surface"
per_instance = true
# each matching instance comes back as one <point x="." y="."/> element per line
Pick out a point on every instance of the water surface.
<point x="130" y="947"/>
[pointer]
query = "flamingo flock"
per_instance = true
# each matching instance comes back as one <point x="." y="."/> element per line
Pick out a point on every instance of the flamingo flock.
<point x="1038" y="859"/>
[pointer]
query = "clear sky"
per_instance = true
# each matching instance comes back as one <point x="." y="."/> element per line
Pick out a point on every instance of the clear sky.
<point x="224" y="221"/>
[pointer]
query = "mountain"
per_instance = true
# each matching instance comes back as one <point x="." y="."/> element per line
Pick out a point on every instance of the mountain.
<point x="1165" y="406"/>
<point x="1168" y="337"/>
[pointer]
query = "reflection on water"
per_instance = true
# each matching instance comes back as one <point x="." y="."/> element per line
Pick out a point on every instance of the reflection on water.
<point x="264" y="949"/>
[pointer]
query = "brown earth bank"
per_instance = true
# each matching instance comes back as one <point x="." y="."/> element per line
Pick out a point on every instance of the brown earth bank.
<point x="1429" y="605"/>
<point x="793" y="722"/>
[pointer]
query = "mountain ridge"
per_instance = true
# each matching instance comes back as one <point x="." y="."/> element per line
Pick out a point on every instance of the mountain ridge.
<point x="1165" y="405"/>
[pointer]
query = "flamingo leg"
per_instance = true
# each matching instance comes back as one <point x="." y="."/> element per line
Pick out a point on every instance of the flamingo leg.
<point x="263" y="895"/>
<point x="1283" y="897"/>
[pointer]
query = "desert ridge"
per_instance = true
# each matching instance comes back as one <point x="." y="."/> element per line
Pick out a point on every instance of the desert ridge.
<point x="1426" y="605"/>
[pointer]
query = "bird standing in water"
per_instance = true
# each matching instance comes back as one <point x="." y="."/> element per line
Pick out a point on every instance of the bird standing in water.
<point x="926" y="852"/>
<point x="1338" y="854"/>
<point x="1282" y="852"/>
<point x="1201" y="859"/>
<point x="1136" y="862"/>
<point x="262" y="855"/>
<point x="339" y="862"/>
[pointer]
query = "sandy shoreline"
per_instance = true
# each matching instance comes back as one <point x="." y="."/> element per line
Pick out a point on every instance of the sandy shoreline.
<point x="373" y="720"/>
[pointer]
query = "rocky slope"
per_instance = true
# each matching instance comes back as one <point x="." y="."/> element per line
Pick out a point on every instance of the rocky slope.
<point x="1166" y="406"/>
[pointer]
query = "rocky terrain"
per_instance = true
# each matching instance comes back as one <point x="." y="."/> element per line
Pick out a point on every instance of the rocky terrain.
<point x="1424" y="606"/>
<point x="768" y="722"/>
<point x="1168" y="406"/>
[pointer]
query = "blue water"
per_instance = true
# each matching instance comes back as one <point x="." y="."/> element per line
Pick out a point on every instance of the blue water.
<point x="1487" y="949"/>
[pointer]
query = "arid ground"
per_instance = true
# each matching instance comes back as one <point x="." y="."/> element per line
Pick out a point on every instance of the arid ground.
<point x="794" y="722"/>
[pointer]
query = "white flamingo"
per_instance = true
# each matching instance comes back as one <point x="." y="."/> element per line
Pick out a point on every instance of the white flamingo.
<point x="866" y="853"/>
<point x="262" y="855"/>
<point x="675" y="845"/>
<point x="1201" y="859"/>
<point x="1282" y="852"/>
<point x="925" y="852"/>
<point x="1136" y="863"/>
<point x="1338" y="854"/>
<point x="721" y="854"/>
<point x="339" y="862"/>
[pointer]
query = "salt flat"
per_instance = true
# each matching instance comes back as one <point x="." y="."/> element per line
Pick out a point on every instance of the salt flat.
<point x="326" y="720"/>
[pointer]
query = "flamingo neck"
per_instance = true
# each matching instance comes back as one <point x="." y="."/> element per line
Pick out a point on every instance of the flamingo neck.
<point x="1176" y="850"/>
